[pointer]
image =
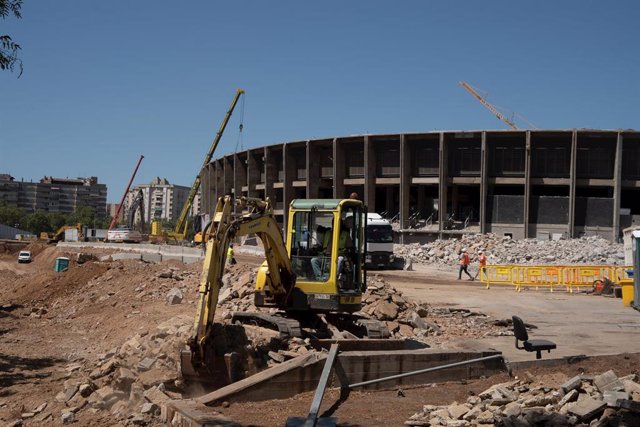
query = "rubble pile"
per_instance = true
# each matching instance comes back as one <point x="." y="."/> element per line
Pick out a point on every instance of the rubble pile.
<point x="504" y="250"/>
<point x="600" y="400"/>
<point x="407" y="319"/>
<point x="132" y="381"/>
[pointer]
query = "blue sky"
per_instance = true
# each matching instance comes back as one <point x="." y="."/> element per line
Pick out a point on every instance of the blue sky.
<point x="104" y="82"/>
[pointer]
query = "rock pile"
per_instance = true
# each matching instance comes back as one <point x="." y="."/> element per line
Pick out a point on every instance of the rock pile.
<point x="435" y="325"/>
<point x="600" y="400"/>
<point x="404" y="318"/>
<point x="131" y="382"/>
<point x="504" y="250"/>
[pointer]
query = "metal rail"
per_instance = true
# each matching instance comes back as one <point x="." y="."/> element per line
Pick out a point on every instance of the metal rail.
<point x="423" y="371"/>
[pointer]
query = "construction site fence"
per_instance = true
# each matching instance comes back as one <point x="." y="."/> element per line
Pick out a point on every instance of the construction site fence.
<point x="553" y="277"/>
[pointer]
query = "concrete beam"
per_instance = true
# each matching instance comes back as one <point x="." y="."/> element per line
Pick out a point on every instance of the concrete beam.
<point x="369" y="174"/>
<point x="339" y="169"/>
<point x="442" y="188"/>
<point x="290" y="175"/>
<point x="484" y="166"/>
<point x="572" y="184"/>
<point x="617" y="187"/>
<point x="405" y="183"/>
<point x="313" y="170"/>
<point x="270" y="174"/>
<point x="254" y="172"/>
<point x="527" y="183"/>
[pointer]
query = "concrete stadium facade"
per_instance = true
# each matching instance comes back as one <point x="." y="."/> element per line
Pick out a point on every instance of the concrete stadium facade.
<point x="521" y="183"/>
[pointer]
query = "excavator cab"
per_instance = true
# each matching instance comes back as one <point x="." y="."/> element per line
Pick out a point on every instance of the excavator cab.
<point x="325" y="241"/>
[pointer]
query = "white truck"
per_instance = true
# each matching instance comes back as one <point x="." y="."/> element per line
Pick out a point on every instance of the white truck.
<point x="124" y="235"/>
<point x="379" y="242"/>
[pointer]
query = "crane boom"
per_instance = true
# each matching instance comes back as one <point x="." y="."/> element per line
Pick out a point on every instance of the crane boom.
<point x="490" y="107"/>
<point x="115" y="218"/>
<point x="180" y="230"/>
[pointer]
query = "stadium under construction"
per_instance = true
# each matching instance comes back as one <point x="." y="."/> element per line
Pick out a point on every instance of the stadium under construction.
<point x="521" y="183"/>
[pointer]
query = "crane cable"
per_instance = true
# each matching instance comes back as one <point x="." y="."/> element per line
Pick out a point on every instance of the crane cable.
<point x="240" y="127"/>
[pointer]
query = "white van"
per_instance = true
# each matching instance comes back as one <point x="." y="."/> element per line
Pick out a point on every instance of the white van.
<point x="24" y="256"/>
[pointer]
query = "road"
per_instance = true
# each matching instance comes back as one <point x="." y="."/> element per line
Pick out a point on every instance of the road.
<point x="577" y="323"/>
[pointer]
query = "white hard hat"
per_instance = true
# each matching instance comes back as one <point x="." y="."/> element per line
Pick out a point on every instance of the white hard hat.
<point x="480" y="252"/>
<point x="464" y="249"/>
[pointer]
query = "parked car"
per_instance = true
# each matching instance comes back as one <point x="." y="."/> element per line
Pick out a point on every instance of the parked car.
<point x="24" y="256"/>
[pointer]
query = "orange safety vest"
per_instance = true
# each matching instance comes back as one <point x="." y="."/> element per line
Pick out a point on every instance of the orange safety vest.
<point x="464" y="259"/>
<point x="483" y="260"/>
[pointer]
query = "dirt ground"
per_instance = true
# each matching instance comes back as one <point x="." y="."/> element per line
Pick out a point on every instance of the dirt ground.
<point x="50" y="322"/>
<point x="392" y="407"/>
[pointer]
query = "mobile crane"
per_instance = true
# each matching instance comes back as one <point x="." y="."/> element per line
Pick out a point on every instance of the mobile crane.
<point x="182" y="225"/>
<point x="316" y="279"/>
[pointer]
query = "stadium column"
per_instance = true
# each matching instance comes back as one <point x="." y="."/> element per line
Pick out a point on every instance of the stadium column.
<point x="617" y="188"/>
<point x="313" y="171"/>
<point x="290" y="175"/>
<point x="405" y="183"/>
<point x="270" y="175"/>
<point x="228" y="176"/>
<point x="442" y="187"/>
<point x="253" y="174"/>
<point x="338" y="169"/>
<point x="239" y="174"/>
<point x="483" y="182"/>
<point x="572" y="183"/>
<point x="369" y="174"/>
<point x="527" y="183"/>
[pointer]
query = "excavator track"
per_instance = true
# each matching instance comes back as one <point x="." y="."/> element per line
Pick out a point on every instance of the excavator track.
<point x="288" y="328"/>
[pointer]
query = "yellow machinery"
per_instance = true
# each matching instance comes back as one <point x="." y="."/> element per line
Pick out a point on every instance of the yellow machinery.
<point x="59" y="234"/>
<point x="182" y="225"/>
<point x="316" y="279"/>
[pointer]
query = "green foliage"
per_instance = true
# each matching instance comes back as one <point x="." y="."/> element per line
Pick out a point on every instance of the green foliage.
<point x="10" y="215"/>
<point x="84" y="215"/>
<point x="56" y="220"/>
<point x="37" y="222"/>
<point x="40" y="221"/>
<point x="8" y="48"/>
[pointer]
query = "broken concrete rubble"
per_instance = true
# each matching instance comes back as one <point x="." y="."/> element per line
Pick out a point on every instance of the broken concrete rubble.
<point x="534" y="405"/>
<point x="503" y="250"/>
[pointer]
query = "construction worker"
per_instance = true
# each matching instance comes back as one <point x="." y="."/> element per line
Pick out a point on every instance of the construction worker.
<point x="482" y="259"/>
<point x="464" y="264"/>
<point x="230" y="259"/>
<point x="344" y="242"/>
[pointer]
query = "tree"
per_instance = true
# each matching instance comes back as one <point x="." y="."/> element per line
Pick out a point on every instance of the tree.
<point x="37" y="222"/>
<point x="8" y="48"/>
<point x="84" y="215"/>
<point x="11" y="215"/>
<point x="56" y="220"/>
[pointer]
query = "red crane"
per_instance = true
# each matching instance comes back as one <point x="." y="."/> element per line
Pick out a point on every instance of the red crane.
<point x="115" y="218"/>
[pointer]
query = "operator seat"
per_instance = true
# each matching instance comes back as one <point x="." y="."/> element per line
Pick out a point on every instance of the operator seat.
<point x="520" y="332"/>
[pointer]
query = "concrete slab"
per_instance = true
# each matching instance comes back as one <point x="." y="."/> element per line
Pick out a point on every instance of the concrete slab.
<point x="166" y="257"/>
<point x="151" y="257"/>
<point x="125" y="255"/>
<point x="577" y="323"/>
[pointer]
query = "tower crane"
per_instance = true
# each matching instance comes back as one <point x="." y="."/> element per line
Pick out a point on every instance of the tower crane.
<point x="490" y="107"/>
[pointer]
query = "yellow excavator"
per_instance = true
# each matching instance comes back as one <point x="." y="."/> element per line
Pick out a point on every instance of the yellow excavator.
<point x="315" y="279"/>
<point x="59" y="234"/>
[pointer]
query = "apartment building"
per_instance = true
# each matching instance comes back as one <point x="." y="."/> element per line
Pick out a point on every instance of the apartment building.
<point x="52" y="194"/>
<point x="163" y="200"/>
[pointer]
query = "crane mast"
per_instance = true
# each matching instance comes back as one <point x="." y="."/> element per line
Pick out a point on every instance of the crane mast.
<point x="180" y="229"/>
<point x="490" y="107"/>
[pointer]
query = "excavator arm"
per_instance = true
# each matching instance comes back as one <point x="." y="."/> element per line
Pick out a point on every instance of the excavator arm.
<point x="224" y="228"/>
